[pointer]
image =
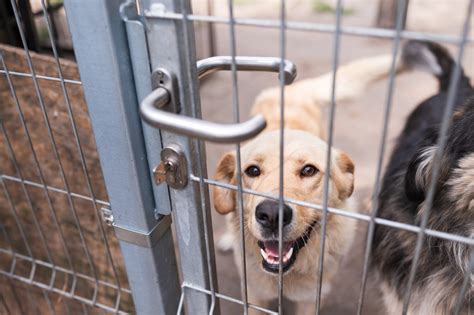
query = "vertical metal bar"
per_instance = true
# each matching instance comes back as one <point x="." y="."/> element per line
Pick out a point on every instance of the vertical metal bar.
<point x="402" y="4"/>
<point x="181" y="302"/>
<point x="11" y="153"/>
<point x="49" y="14"/>
<point x="81" y="152"/>
<point x="210" y="29"/>
<point x="282" y="154"/>
<point x="20" y="228"/>
<point x="332" y="114"/>
<point x="28" y="24"/>
<point x="40" y="172"/>
<point x="441" y="143"/>
<point x="203" y="190"/>
<point x="240" y="201"/>
<point x="9" y="241"/>
<point x="55" y="151"/>
<point x="112" y="101"/>
<point x="194" y="228"/>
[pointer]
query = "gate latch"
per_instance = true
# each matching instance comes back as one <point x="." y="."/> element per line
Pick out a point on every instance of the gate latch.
<point x="173" y="167"/>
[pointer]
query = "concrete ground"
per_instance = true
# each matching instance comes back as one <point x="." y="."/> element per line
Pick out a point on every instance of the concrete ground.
<point x="358" y="124"/>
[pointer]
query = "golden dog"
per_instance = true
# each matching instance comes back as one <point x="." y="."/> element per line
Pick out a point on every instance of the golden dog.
<point x="304" y="169"/>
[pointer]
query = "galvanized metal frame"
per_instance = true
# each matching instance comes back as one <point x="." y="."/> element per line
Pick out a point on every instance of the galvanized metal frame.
<point x="282" y="25"/>
<point x="113" y="107"/>
<point x="132" y="40"/>
<point x="191" y="206"/>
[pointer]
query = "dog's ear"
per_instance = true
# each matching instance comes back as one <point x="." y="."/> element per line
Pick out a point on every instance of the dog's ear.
<point x="343" y="175"/>
<point x="224" y="199"/>
<point x="418" y="173"/>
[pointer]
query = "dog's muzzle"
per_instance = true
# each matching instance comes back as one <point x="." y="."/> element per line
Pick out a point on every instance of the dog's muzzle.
<point x="267" y="216"/>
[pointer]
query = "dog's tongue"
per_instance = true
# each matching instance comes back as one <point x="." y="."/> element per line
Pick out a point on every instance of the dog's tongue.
<point x="271" y="247"/>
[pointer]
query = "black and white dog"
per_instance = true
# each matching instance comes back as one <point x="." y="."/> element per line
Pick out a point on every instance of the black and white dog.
<point x="443" y="264"/>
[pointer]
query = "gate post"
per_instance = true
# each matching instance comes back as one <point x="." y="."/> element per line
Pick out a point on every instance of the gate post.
<point x="171" y="46"/>
<point x="102" y="53"/>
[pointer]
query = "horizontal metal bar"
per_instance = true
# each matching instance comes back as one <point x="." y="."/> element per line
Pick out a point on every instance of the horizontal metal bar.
<point x="58" y="190"/>
<point x="62" y="269"/>
<point x="147" y="239"/>
<point x="42" y="77"/>
<point x="227" y="298"/>
<point x="314" y="27"/>
<point x="245" y="63"/>
<point x="196" y="128"/>
<point x="63" y="293"/>
<point x="346" y="213"/>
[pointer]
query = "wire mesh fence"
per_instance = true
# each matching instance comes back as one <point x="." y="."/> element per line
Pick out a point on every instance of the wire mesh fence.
<point x="56" y="250"/>
<point x="54" y="242"/>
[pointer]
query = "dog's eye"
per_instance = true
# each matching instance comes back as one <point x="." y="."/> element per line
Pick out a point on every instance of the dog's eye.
<point x="252" y="171"/>
<point x="308" y="170"/>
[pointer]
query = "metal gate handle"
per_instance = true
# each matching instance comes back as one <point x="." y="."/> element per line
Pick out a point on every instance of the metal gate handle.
<point x="268" y="64"/>
<point x="205" y="130"/>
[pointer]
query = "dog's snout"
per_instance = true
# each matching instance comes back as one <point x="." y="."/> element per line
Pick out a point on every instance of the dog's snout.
<point x="267" y="215"/>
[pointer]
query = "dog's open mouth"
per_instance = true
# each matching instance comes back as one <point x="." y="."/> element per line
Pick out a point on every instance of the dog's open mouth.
<point x="269" y="251"/>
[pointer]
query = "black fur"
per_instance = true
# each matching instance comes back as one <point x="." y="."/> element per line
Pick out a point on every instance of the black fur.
<point x="402" y="196"/>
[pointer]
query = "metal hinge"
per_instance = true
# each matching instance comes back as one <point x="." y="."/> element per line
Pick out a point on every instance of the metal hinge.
<point x="143" y="239"/>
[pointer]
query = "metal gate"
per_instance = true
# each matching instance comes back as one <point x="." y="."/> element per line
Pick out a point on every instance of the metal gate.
<point x="139" y="72"/>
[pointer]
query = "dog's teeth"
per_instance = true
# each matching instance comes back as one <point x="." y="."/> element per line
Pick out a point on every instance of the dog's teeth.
<point x="264" y="254"/>
<point x="274" y="260"/>
<point x="288" y="255"/>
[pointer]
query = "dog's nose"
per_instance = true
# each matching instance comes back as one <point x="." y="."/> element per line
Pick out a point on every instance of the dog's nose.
<point x="267" y="215"/>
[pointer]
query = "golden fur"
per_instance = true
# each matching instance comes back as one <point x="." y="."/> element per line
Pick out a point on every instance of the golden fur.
<point x="303" y="146"/>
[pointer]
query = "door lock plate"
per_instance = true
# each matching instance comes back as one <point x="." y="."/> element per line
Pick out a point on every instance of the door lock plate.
<point x="162" y="78"/>
<point x="173" y="167"/>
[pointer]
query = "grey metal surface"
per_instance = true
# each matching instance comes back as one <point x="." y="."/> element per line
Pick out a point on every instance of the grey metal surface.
<point x="138" y="46"/>
<point x="84" y="167"/>
<point x="196" y="128"/>
<point x="361" y="31"/>
<point x="240" y="200"/>
<point x="171" y="46"/>
<point x="281" y="152"/>
<point x="332" y="114"/>
<point x="148" y="239"/>
<point x="113" y="106"/>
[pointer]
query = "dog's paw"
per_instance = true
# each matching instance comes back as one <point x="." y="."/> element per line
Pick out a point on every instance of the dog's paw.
<point x="226" y="242"/>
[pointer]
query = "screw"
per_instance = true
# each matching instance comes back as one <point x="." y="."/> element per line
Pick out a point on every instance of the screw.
<point x="156" y="214"/>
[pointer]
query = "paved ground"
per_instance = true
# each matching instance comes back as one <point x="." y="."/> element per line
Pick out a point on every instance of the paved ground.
<point x="358" y="123"/>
